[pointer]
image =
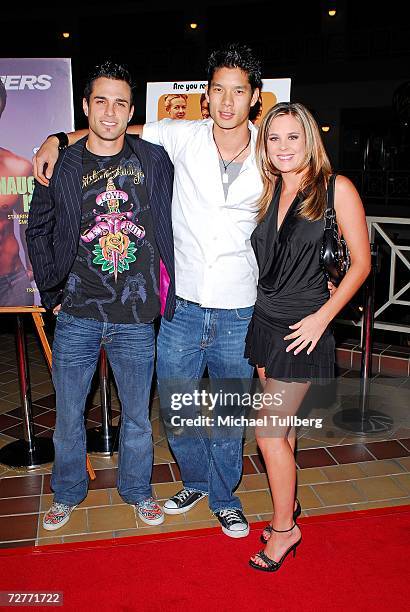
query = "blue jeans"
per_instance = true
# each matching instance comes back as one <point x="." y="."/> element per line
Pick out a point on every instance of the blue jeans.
<point x="195" y="338"/>
<point x="130" y="350"/>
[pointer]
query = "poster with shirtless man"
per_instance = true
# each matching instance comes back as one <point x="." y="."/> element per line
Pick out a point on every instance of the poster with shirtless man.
<point x="35" y="100"/>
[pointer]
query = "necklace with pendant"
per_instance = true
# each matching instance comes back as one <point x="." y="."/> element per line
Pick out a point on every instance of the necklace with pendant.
<point x="225" y="178"/>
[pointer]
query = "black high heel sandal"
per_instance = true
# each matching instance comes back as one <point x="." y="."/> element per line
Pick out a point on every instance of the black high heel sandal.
<point x="271" y="565"/>
<point x="296" y="513"/>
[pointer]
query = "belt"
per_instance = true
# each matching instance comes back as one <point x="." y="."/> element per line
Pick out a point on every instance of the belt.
<point x="187" y="301"/>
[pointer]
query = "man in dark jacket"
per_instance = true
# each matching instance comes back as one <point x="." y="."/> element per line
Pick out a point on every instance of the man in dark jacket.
<point x="97" y="239"/>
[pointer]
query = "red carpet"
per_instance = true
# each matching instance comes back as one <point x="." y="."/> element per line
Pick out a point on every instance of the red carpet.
<point x="346" y="561"/>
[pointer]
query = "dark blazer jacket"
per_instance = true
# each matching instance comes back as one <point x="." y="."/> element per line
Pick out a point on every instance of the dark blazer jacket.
<point x="53" y="230"/>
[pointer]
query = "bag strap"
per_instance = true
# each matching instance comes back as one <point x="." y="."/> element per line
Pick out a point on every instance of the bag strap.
<point x="331" y="191"/>
<point x="330" y="213"/>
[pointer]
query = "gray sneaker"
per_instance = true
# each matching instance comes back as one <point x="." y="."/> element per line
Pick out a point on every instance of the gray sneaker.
<point x="57" y="516"/>
<point x="183" y="501"/>
<point x="233" y="523"/>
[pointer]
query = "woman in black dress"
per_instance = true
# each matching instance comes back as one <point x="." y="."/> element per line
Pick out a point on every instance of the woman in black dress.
<point x="289" y="338"/>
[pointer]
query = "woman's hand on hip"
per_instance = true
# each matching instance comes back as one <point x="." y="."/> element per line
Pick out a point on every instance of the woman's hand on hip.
<point x="308" y="332"/>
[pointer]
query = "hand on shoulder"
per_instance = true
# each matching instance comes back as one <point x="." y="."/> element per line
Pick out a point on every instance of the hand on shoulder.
<point x="44" y="161"/>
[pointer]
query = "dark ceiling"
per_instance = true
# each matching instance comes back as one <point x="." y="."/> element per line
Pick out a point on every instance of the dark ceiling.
<point x="299" y="40"/>
<point x="155" y="36"/>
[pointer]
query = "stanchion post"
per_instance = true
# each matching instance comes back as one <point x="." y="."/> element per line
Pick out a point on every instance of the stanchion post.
<point x="361" y="419"/>
<point x="105" y="393"/>
<point x="30" y="452"/>
<point x="103" y="439"/>
<point x="24" y="384"/>
<point x="367" y="335"/>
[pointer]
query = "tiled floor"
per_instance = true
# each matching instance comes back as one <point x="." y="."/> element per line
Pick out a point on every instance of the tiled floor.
<point x="337" y="471"/>
<point x="387" y="359"/>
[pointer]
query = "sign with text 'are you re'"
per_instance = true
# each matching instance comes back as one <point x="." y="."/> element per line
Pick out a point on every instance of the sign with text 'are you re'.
<point x="186" y="99"/>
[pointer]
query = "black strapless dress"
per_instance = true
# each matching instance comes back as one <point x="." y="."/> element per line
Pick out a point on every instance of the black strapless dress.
<point x="291" y="286"/>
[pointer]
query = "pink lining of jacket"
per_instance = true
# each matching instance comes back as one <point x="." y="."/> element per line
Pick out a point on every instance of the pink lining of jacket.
<point x="163" y="285"/>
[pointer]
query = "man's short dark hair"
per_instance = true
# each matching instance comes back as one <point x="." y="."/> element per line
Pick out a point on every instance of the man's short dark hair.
<point x="235" y="55"/>
<point x="3" y="97"/>
<point x="108" y="70"/>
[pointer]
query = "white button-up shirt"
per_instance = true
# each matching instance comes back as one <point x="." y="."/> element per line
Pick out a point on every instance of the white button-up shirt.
<point x="214" y="262"/>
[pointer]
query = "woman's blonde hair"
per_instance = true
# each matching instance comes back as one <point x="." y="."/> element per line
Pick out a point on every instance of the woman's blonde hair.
<point x="315" y="160"/>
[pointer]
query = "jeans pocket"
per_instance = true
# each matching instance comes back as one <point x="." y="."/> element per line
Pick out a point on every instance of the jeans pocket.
<point x="244" y="314"/>
<point x="179" y="304"/>
<point x="63" y="318"/>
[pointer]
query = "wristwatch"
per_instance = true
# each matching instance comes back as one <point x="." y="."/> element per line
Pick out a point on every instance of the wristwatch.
<point x="62" y="140"/>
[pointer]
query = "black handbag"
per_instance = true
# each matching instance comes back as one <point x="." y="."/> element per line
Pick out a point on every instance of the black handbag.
<point x="334" y="254"/>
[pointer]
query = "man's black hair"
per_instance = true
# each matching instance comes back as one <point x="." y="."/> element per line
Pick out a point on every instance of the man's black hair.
<point x="240" y="56"/>
<point x="108" y="70"/>
<point x="3" y="97"/>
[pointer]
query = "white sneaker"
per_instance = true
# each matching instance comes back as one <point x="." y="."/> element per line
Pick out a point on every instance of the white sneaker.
<point x="57" y="516"/>
<point x="150" y="512"/>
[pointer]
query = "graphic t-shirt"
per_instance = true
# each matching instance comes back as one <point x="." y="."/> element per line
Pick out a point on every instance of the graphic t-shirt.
<point x="115" y="276"/>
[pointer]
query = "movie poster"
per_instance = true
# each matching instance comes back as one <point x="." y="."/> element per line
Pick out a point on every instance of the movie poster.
<point x="35" y="100"/>
<point x="186" y="99"/>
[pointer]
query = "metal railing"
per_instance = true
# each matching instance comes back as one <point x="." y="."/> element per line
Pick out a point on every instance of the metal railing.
<point x="378" y="231"/>
<point x="379" y="236"/>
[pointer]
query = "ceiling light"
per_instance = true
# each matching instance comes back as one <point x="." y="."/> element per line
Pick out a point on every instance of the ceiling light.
<point x="66" y="34"/>
<point x="193" y="26"/>
<point x="332" y="12"/>
<point x="325" y="128"/>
